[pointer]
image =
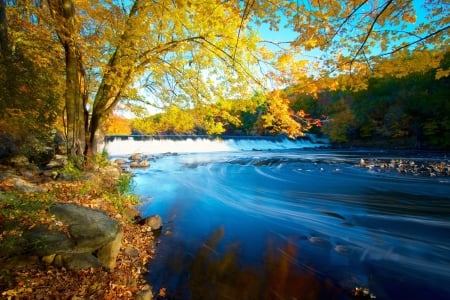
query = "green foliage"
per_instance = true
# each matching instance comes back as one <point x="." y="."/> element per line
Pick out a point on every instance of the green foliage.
<point x="72" y="169"/>
<point x="120" y="195"/>
<point x="125" y="184"/>
<point x="99" y="160"/>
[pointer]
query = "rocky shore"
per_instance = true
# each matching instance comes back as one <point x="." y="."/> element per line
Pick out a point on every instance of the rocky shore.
<point x="62" y="264"/>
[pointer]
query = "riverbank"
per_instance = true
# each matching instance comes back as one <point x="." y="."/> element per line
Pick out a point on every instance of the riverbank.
<point x="29" y="277"/>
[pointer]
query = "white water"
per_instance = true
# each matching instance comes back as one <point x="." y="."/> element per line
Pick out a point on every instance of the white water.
<point x="191" y="144"/>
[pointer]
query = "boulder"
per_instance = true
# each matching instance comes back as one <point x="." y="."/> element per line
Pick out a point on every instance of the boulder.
<point x="45" y="242"/>
<point x="58" y="161"/>
<point x="20" y="184"/>
<point x="89" y="228"/>
<point x="91" y="238"/>
<point x="107" y="254"/>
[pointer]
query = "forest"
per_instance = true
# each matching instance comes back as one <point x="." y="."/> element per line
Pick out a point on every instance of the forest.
<point x="360" y="73"/>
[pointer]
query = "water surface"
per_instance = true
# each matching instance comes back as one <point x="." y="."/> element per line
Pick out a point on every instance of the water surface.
<point x="305" y="223"/>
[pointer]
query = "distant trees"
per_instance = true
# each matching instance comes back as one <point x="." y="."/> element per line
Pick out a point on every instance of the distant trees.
<point x="409" y="110"/>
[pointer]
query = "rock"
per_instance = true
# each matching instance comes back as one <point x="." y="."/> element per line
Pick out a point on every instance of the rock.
<point x="49" y="259"/>
<point x="8" y="147"/>
<point x="58" y="161"/>
<point x="42" y="155"/>
<point x="27" y="187"/>
<point x="136" y="157"/>
<point x="44" y="242"/>
<point x="59" y="143"/>
<point x="120" y="161"/>
<point x="90" y="229"/>
<point x="131" y="252"/>
<point x="144" y="164"/>
<point x="19" y="160"/>
<point x="154" y="222"/>
<point x="140" y="164"/>
<point x="90" y="232"/>
<point x="79" y="261"/>
<point x="131" y="213"/>
<point x="107" y="254"/>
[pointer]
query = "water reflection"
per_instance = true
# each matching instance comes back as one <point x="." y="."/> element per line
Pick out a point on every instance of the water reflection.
<point x="296" y="224"/>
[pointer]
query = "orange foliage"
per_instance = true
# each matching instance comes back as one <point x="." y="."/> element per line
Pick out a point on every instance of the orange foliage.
<point x="117" y="125"/>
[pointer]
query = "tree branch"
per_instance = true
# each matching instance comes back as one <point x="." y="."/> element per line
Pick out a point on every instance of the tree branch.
<point x="417" y="41"/>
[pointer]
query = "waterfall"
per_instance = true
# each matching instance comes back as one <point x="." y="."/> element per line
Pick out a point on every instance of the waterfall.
<point x="117" y="145"/>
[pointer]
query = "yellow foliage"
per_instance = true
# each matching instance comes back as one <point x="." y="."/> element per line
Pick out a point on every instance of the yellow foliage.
<point x="118" y="125"/>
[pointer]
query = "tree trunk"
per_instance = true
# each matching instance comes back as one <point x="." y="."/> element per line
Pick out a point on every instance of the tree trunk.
<point x="4" y="41"/>
<point x="63" y="12"/>
<point x="75" y="127"/>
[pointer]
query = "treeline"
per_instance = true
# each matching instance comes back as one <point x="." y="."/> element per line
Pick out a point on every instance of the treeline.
<point x="411" y="111"/>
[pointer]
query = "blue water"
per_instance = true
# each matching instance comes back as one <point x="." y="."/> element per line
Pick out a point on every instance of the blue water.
<point x="295" y="224"/>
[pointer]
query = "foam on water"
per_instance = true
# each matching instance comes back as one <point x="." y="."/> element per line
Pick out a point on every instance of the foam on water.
<point x="126" y="145"/>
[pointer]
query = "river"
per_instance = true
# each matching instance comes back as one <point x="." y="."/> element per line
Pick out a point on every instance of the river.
<point x="276" y="220"/>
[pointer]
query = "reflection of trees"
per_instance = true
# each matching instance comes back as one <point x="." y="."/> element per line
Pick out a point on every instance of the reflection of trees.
<point x="214" y="276"/>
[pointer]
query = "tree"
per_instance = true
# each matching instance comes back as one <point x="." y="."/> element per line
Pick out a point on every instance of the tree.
<point x="354" y="34"/>
<point x="66" y="26"/>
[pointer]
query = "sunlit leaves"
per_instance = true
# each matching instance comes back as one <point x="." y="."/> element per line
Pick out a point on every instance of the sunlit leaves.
<point x="277" y="118"/>
<point x="117" y="125"/>
<point x="364" y="30"/>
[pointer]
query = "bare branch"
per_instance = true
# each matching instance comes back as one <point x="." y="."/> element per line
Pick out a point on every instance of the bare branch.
<point x="369" y="32"/>
<point x="417" y="41"/>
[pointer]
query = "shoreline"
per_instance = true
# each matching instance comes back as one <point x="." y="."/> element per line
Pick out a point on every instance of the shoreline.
<point x="27" y="277"/>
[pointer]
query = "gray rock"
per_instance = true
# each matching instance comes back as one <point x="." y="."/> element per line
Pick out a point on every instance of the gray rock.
<point x="131" y="252"/>
<point x="90" y="229"/>
<point x="44" y="242"/>
<point x="90" y="232"/>
<point x="27" y="187"/>
<point x="79" y="261"/>
<point x="107" y="254"/>
<point x="58" y="161"/>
